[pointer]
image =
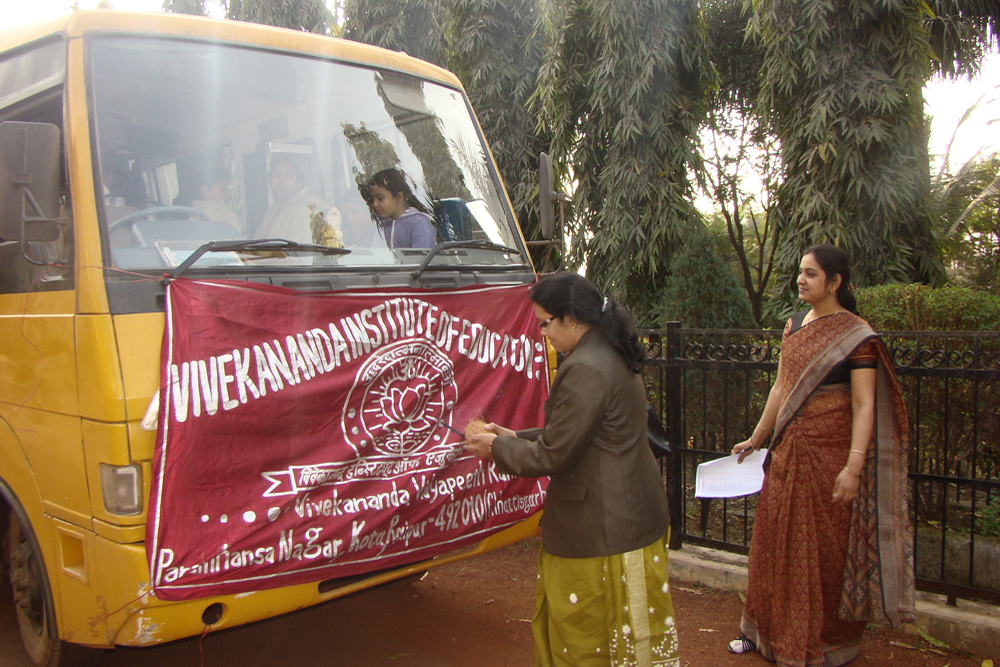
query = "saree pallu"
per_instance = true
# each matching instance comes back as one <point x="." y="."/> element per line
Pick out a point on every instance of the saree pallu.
<point x="605" y="611"/>
<point x="818" y="572"/>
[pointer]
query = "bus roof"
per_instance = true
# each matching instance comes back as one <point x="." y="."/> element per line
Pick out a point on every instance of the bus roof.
<point x="77" y="24"/>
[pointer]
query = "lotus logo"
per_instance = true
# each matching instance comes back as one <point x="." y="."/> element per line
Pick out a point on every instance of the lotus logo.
<point x="400" y="395"/>
<point x="404" y="408"/>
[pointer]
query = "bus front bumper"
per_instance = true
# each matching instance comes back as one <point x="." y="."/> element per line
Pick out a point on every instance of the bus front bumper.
<point x="135" y="617"/>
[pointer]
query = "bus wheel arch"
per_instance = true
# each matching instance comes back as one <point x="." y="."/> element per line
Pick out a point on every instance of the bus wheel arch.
<point x="32" y="599"/>
<point x="24" y="566"/>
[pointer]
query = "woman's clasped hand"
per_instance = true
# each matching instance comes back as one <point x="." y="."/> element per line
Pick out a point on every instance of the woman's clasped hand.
<point x="480" y="445"/>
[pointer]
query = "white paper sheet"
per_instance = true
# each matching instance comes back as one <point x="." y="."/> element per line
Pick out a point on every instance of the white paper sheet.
<point x="725" y="478"/>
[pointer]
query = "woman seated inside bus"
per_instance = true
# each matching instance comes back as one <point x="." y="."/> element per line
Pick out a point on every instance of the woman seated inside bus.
<point x="289" y="217"/>
<point x="404" y="221"/>
<point x="213" y="199"/>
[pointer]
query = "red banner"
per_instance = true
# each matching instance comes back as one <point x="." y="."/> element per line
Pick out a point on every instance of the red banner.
<point x="307" y="436"/>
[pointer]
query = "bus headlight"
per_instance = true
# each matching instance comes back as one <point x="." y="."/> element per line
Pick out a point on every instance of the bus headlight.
<point x="122" y="488"/>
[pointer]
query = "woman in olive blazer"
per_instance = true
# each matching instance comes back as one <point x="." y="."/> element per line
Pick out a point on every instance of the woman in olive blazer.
<point x="602" y="595"/>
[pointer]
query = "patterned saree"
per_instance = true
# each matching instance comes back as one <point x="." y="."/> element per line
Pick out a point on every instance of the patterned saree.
<point x="818" y="571"/>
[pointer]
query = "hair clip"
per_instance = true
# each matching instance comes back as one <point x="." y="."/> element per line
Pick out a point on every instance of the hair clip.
<point x="604" y="307"/>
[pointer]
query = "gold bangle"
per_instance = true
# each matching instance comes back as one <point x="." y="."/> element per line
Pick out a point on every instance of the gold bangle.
<point x="856" y="474"/>
<point x="859" y="451"/>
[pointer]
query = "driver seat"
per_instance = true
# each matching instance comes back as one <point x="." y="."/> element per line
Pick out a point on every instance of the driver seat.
<point x="118" y="212"/>
<point x="120" y="238"/>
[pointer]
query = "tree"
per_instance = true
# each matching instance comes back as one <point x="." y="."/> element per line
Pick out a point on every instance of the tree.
<point x="306" y="15"/>
<point x="701" y="293"/>
<point x="736" y="58"/>
<point x="961" y="31"/>
<point x="740" y="151"/>
<point x="192" y="7"/>
<point x="412" y="26"/>
<point x="968" y="205"/>
<point x="622" y="92"/>
<point x="495" y="48"/>
<point x="737" y="148"/>
<point x="841" y="83"/>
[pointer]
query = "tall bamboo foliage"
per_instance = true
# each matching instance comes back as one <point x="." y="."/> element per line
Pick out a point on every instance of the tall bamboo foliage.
<point x="961" y="33"/>
<point x="842" y="84"/>
<point x="737" y="59"/>
<point x="622" y="90"/>
<point x="307" y="15"/>
<point x="495" y="48"/>
<point x="192" y="7"/>
<point x="413" y="26"/>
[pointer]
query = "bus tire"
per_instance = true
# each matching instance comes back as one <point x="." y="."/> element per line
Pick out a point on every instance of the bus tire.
<point x="33" y="603"/>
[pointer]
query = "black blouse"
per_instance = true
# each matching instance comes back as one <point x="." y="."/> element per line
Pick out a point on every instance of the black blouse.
<point x="863" y="357"/>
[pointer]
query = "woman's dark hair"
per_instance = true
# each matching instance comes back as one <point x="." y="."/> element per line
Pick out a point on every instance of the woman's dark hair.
<point x="834" y="261"/>
<point x="394" y="181"/>
<point x="212" y="174"/>
<point x="294" y="163"/>
<point x="568" y="293"/>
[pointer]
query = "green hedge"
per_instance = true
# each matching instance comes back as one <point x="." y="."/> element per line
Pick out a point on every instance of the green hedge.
<point x="923" y="308"/>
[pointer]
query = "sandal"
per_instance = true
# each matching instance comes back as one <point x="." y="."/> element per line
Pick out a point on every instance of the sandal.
<point x="741" y="644"/>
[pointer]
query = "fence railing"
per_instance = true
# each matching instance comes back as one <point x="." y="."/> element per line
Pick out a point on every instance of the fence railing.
<point x="710" y="387"/>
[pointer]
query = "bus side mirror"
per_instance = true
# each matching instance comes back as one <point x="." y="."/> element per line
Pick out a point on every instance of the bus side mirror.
<point x="29" y="182"/>
<point x="546" y="200"/>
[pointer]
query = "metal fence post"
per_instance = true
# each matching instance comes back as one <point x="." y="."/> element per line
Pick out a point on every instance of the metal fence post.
<point x="672" y="410"/>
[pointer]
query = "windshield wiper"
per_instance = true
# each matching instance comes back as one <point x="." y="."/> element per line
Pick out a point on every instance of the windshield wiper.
<point x="480" y="243"/>
<point x="252" y="244"/>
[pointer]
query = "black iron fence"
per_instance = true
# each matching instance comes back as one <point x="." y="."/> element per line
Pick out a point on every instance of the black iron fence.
<point x="710" y="387"/>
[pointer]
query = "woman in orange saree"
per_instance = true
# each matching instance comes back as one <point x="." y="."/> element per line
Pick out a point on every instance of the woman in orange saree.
<point x="832" y="544"/>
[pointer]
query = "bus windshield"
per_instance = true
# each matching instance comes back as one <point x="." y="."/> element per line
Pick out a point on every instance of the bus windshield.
<point x="201" y="141"/>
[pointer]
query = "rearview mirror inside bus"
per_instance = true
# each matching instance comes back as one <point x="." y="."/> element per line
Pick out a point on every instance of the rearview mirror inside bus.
<point x="29" y="181"/>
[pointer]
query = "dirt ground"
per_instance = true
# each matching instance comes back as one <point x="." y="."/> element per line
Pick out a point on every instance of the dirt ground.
<point x="475" y="612"/>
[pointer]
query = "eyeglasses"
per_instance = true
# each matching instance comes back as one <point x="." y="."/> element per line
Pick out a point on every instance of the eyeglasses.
<point x="545" y="323"/>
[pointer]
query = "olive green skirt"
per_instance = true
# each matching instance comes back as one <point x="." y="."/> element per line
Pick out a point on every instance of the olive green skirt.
<point x="609" y="610"/>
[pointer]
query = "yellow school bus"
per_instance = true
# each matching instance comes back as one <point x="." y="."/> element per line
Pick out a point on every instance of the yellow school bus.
<point x="124" y="139"/>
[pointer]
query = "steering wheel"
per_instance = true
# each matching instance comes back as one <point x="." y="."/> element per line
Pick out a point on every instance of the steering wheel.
<point x="132" y="218"/>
